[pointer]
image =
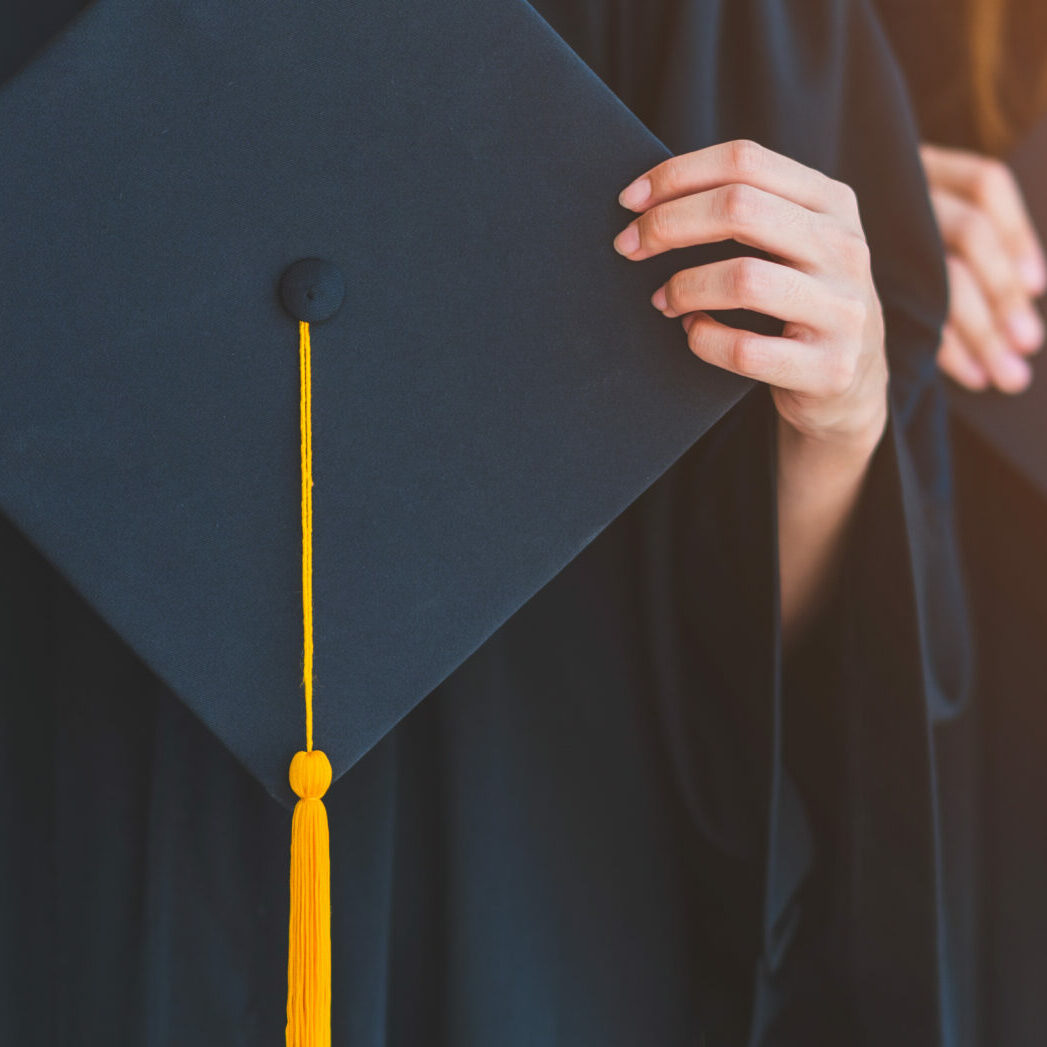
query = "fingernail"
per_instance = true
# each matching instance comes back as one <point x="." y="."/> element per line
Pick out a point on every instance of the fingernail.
<point x="688" y="322"/>
<point x="1012" y="373"/>
<point x="633" y="195"/>
<point x="1033" y="274"/>
<point x="1025" y="328"/>
<point x="628" y="240"/>
<point x="659" y="301"/>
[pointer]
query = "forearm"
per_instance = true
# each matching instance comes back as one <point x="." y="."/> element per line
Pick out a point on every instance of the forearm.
<point x="819" y="483"/>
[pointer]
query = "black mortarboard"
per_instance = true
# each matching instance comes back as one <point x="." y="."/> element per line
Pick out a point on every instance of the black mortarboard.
<point x="492" y="392"/>
<point x="490" y="389"/>
<point x="1016" y="426"/>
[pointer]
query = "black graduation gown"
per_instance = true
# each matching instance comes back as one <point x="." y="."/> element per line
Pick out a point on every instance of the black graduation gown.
<point x="587" y="833"/>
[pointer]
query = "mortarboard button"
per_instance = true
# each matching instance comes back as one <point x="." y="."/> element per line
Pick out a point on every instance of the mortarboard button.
<point x="312" y="289"/>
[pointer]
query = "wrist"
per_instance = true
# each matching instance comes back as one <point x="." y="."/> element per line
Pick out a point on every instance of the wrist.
<point x="852" y="443"/>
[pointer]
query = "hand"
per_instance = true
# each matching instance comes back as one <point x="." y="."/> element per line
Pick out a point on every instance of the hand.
<point x="996" y="269"/>
<point x="828" y="369"/>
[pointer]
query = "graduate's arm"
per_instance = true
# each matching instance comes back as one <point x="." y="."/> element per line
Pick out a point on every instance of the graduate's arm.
<point x="827" y="370"/>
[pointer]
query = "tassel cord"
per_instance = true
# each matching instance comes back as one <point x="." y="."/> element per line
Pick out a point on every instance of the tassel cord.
<point x="309" y="926"/>
<point x="306" y="420"/>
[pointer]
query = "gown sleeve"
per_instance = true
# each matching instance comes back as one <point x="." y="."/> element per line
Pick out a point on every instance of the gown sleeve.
<point x="889" y="665"/>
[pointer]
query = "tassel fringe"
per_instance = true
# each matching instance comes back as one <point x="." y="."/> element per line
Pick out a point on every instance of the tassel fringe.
<point x="309" y="937"/>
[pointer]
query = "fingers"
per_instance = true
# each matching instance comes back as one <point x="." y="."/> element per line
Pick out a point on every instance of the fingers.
<point x="972" y="322"/>
<point x="988" y="185"/>
<point x="754" y="283"/>
<point x="829" y="364"/>
<point x="995" y="265"/>
<point x="743" y="163"/>
<point x="959" y="363"/>
<point x="971" y="234"/>
<point x="786" y="363"/>
<point x="732" y="212"/>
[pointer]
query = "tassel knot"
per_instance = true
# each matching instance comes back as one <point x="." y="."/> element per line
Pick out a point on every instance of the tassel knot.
<point x="310" y="774"/>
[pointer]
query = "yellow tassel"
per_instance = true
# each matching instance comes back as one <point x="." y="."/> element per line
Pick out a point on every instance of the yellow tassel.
<point x="309" y="934"/>
<point x="309" y="939"/>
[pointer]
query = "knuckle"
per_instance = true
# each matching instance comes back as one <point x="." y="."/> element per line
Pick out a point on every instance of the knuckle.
<point x="745" y="353"/>
<point x="847" y="196"/>
<point x="744" y="157"/>
<point x="748" y="278"/>
<point x="982" y="334"/>
<point x="839" y="374"/>
<point x="856" y="253"/>
<point x="739" y="205"/>
<point x="967" y="311"/>
<point x="694" y="339"/>
<point x="656" y="227"/>
<point x="648" y="225"/>
<point x="998" y="284"/>
<point x="668" y="177"/>
<point x="969" y="231"/>
<point x="854" y="312"/>
<point x="992" y="178"/>
<point x="677" y="292"/>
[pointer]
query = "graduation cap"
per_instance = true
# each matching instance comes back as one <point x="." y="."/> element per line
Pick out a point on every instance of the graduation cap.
<point x="1016" y="426"/>
<point x="416" y="203"/>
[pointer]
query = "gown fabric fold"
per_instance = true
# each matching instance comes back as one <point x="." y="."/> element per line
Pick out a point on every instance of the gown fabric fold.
<point x="623" y="820"/>
<point x="994" y="753"/>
